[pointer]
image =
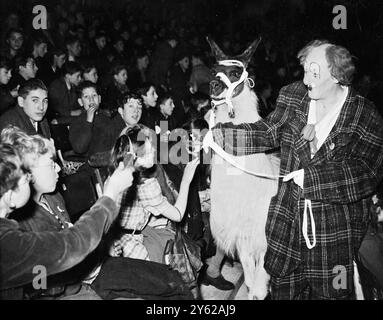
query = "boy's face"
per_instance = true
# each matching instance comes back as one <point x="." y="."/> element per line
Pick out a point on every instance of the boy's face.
<point x="75" y="78"/>
<point x="101" y="42"/>
<point x="75" y="49"/>
<point x="5" y="75"/>
<point x="132" y="111"/>
<point x="150" y="99"/>
<point x="35" y="104"/>
<point x="30" y="69"/>
<point x="89" y="98"/>
<point x="41" y="50"/>
<point x="16" y="41"/>
<point x="60" y="60"/>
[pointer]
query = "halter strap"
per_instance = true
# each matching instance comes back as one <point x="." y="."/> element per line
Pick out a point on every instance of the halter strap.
<point x="230" y="85"/>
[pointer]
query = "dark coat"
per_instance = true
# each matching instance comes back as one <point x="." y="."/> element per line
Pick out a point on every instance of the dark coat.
<point x="17" y="117"/>
<point x="47" y="75"/>
<point x="89" y="138"/>
<point x="21" y="251"/>
<point x="16" y="80"/>
<point x="62" y="101"/>
<point x="6" y="99"/>
<point x="162" y="60"/>
<point x="338" y="180"/>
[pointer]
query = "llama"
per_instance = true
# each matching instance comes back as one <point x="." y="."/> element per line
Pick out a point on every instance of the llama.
<point x="239" y="200"/>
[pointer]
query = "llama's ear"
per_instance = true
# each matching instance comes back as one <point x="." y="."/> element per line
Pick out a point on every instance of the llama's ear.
<point x="217" y="52"/>
<point x="248" y="53"/>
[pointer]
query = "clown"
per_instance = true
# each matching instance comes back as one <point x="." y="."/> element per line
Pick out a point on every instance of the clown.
<point x="331" y="142"/>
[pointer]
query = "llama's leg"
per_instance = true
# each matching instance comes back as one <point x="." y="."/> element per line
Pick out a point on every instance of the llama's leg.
<point x="260" y="286"/>
<point x="248" y="266"/>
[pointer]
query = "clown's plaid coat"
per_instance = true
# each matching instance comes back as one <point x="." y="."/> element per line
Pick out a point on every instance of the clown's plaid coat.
<point x="338" y="180"/>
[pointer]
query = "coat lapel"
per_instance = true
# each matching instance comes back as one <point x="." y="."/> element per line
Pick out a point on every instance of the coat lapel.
<point x="339" y="128"/>
<point x="302" y="146"/>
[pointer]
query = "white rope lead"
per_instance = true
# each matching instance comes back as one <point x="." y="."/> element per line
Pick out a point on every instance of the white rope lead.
<point x="209" y="142"/>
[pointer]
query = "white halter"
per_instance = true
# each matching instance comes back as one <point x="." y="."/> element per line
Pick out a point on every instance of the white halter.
<point x="231" y="85"/>
<point x="209" y="141"/>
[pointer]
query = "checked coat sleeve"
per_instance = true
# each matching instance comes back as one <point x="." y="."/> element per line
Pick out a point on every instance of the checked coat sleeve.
<point x="250" y="138"/>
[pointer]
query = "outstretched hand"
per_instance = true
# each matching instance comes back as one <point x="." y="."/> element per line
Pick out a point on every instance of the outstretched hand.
<point x="190" y="170"/>
<point x="120" y="180"/>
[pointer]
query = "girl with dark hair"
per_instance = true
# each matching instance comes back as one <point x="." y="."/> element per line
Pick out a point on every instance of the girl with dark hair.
<point x="145" y="212"/>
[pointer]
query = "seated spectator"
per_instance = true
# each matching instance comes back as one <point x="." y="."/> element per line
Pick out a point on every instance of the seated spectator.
<point x="164" y="120"/>
<point x="118" y="50"/>
<point x="149" y="96"/>
<point x="61" y="33"/>
<point x="88" y="133"/>
<point x="25" y="69"/>
<point x="138" y="71"/>
<point x="56" y="251"/>
<point x="7" y="97"/>
<point x="129" y="114"/>
<point x="179" y="77"/>
<point x="73" y="47"/>
<point x="46" y="208"/>
<point x="145" y="199"/>
<point x="63" y="105"/>
<point x="116" y="88"/>
<point x="13" y="47"/>
<point x="29" y="114"/>
<point x="89" y="72"/>
<point x="50" y="70"/>
<point x="99" y="53"/>
<point x="39" y="49"/>
<point x="162" y="60"/>
<point x="200" y="74"/>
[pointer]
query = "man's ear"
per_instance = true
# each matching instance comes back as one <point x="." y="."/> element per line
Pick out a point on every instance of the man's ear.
<point x="20" y="101"/>
<point x="80" y="102"/>
<point x="99" y="99"/>
<point x="120" y="111"/>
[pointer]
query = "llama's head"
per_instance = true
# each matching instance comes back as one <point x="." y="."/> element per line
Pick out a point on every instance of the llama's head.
<point x="229" y="74"/>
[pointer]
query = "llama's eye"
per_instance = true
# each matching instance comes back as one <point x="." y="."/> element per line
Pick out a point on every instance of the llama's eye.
<point x="235" y="73"/>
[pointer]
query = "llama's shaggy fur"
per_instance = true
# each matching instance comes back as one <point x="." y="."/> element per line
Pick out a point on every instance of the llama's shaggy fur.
<point x="240" y="201"/>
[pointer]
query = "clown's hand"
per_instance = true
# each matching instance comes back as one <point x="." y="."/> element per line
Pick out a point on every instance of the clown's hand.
<point x="207" y="141"/>
<point x="297" y="176"/>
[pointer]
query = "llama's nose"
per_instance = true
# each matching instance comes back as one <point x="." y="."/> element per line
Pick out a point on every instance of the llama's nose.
<point x="214" y="84"/>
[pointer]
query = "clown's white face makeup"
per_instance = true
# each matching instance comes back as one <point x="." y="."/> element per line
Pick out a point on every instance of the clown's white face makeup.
<point x="320" y="83"/>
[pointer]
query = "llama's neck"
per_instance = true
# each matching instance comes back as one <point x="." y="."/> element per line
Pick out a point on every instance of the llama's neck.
<point x="245" y="106"/>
